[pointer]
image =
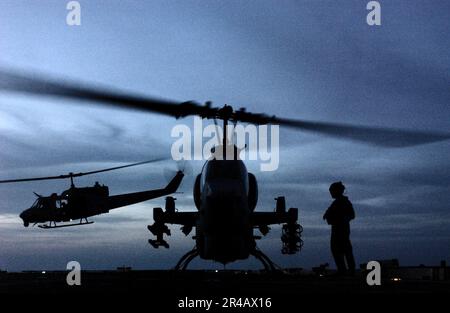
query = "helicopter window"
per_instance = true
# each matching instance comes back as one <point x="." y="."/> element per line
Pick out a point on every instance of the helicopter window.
<point x="224" y="169"/>
<point x="38" y="204"/>
<point x="35" y="203"/>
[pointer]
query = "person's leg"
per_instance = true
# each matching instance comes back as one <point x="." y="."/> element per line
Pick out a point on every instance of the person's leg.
<point x="349" y="257"/>
<point x="338" y="255"/>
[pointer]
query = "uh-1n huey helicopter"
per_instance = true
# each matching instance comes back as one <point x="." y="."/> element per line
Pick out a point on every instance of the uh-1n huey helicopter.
<point x="225" y="194"/>
<point x="79" y="203"/>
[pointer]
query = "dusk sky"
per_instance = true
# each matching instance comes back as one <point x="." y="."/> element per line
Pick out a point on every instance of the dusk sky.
<point x="313" y="60"/>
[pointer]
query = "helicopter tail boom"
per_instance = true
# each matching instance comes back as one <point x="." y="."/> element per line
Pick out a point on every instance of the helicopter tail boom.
<point x="136" y="197"/>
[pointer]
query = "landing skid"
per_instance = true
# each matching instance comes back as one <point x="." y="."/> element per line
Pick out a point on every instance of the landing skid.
<point x="186" y="259"/>
<point x="269" y="265"/>
<point x="50" y="226"/>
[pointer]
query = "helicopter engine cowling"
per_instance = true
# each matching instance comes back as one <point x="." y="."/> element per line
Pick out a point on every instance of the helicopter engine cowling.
<point x="252" y="191"/>
<point x="197" y="192"/>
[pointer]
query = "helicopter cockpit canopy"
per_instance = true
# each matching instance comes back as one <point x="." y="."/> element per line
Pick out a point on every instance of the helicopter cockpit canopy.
<point x="224" y="169"/>
<point x="37" y="204"/>
<point x="51" y="202"/>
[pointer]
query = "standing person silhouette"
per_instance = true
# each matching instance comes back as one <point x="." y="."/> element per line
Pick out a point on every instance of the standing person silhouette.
<point x="339" y="215"/>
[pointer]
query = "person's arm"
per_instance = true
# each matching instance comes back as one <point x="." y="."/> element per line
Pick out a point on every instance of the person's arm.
<point x="328" y="216"/>
<point x="351" y="211"/>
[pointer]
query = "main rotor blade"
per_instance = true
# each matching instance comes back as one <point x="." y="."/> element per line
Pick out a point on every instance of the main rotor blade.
<point x="32" y="179"/>
<point x="117" y="167"/>
<point x="378" y="136"/>
<point x="78" y="174"/>
<point x="44" y="86"/>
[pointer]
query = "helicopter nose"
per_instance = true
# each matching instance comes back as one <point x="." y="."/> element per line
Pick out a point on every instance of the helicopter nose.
<point x="24" y="217"/>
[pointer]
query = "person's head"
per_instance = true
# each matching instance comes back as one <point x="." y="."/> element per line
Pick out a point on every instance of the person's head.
<point x="337" y="189"/>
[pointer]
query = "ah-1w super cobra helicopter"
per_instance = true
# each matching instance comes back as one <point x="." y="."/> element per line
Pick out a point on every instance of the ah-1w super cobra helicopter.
<point x="79" y="203"/>
<point x="225" y="194"/>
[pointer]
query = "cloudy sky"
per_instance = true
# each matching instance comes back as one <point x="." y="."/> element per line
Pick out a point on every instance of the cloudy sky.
<point x="316" y="60"/>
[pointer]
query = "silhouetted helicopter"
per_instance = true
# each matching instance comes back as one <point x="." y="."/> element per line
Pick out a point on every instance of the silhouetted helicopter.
<point x="225" y="194"/>
<point x="80" y="203"/>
